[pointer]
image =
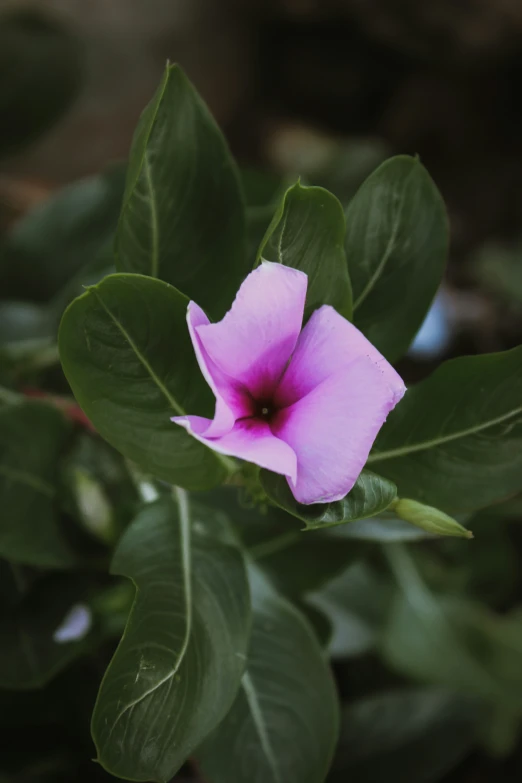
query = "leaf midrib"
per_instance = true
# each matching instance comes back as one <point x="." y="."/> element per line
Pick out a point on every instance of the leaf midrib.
<point x="161" y="386"/>
<point x="390" y="246"/>
<point x="259" y="723"/>
<point x="186" y="567"/>
<point x="129" y="191"/>
<point x="430" y="444"/>
<point x="154" y="224"/>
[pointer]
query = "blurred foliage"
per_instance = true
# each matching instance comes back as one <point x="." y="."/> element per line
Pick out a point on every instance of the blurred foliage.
<point x="41" y="66"/>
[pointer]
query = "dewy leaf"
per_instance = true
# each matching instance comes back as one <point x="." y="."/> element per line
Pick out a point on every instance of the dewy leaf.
<point x="32" y="436"/>
<point x="39" y="626"/>
<point x="396" y="247"/>
<point x="127" y="354"/>
<point x="179" y="664"/>
<point x="61" y="237"/>
<point x="307" y="233"/>
<point x="282" y="727"/>
<point x="455" y="440"/>
<point x="183" y="217"/>
<point x="370" y="495"/>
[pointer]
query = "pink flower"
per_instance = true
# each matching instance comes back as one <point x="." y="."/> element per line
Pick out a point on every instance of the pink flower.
<point x="306" y="404"/>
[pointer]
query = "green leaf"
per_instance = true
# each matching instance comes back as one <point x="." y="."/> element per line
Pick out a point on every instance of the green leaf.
<point x="183" y="216"/>
<point x="297" y="563"/>
<point x="429" y="519"/>
<point x="45" y="624"/>
<point x="282" y="728"/>
<point x="179" y="664"/>
<point x="262" y="191"/>
<point x="356" y="602"/>
<point x="61" y="238"/>
<point x="253" y="524"/>
<point x="127" y="354"/>
<point x="455" y="440"/>
<point x="451" y="642"/>
<point x="307" y="233"/>
<point x="385" y="529"/>
<point x="370" y="495"/>
<point x="416" y="734"/>
<point x="396" y="247"/>
<point x="32" y="436"/>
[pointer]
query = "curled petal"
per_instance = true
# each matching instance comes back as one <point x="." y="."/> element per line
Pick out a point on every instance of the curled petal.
<point x="327" y="345"/>
<point x="332" y="429"/>
<point x="231" y="401"/>
<point x="255" y="339"/>
<point x="250" y="440"/>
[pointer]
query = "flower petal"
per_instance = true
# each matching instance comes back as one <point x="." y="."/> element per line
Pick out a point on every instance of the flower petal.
<point x="231" y="402"/>
<point x="332" y="430"/>
<point x="255" y="339"/>
<point x="327" y="345"/>
<point x="250" y="440"/>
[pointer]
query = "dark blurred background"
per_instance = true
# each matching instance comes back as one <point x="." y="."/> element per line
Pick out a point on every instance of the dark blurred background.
<point x="324" y="88"/>
<point x="293" y="83"/>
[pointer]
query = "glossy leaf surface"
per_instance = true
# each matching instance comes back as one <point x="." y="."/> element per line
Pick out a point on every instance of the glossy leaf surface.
<point x="183" y="217"/>
<point x="455" y="440"/>
<point x="179" y="664"/>
<point x="370" y="495"/>
<point x="307" y="233"/>
<point x="282" y="728"/>
<point x="396" y="247"/>
<point x="126" y="352"/>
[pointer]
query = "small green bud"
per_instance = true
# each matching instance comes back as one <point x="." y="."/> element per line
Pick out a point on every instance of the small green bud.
<point x="428" y="518"/>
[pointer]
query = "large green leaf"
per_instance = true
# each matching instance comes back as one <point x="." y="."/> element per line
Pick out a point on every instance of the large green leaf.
<point x="61" y="238"/>
<point x="44" y="625"/>
<point x="179" y="664"/>
<point x="370" y="495"/>
<point x="183" y="214"/>
<point x="127" y="354"/>
<point x="396" y="247"/>
<point x="415" y="735"/>
<point x="455" y="440"/>
<point x="282" y="728"/>
<point x="32" y="436"/>
<point x="307" y="233"/>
